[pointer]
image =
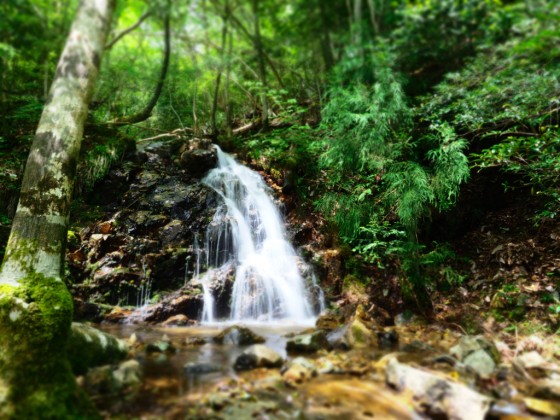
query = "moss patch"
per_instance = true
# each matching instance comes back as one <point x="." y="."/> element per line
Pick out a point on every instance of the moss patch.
<point x="34" y="369"/>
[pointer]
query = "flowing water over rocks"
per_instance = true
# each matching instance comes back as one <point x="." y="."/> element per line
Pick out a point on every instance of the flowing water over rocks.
<point x="247" y="232"/>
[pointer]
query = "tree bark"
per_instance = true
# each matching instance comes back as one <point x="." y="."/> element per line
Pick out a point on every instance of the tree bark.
<point x="35" y="306"/>
<point x="260" y="60"/>
<point x="145" y="113"/>
<point x="225" y="19"/>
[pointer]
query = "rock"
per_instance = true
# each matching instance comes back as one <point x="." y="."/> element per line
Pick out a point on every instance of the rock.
<point x="543" y="407"/>
<point x="177" y="320"/>
<point x="298" y="371"/>
<point x="198" y="161"/>
<point x="87" y="311"/>
<point x="88" y="347"/>
<point x="387" y="339"/>
<point x="201" y="368"/>
<point x="308" y="343"/>
<point x="328" y="322"/>
<point x="476" y="353"/>
<point x="358" y="335"/>
<point x="187" y="301"/>
<point x="435" y="395"/>
<point x="160" y="346"/>
<point x="238" y="335"/>
<point x="258" y="356"/>
<point x="128" y="374"/>
<point x="481" y="362"/>
<point x="194" y="341"/>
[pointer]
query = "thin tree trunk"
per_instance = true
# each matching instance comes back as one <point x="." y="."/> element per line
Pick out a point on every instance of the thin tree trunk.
<point x="225" y="20"/>
<point x="373" y="16"/>
<point x="229" y="122"/>
<point x="35" y="306"/>
<point x="251" y="39"/>
<point x="326" y="49"/>
<point x="260" y="60"/>
<point x="145" y="113"/>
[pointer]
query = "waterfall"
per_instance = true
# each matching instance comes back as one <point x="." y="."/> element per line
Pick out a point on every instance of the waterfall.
<point x="247" y="238"/>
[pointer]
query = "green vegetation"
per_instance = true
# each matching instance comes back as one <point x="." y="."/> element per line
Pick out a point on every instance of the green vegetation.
<point x="378" y="115"/>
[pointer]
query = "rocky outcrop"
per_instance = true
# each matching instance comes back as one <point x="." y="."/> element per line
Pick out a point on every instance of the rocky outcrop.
<point x="155" y="206"/>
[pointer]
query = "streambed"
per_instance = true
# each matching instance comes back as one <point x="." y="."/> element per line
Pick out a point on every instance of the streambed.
<point x="361" y="383"/>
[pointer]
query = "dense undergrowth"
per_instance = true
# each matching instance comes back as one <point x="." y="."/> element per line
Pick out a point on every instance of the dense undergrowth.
<point x="382" y="125"/>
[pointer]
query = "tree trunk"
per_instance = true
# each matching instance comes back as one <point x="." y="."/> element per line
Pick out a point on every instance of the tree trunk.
<point x="145" y="113"/>
<point x="225" y="19"/>
<point x="35" y="306"/>
<point x="260" y="59"/>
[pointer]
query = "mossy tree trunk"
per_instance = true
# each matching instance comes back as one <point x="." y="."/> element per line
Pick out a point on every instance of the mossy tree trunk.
<point x="35" y="306"/>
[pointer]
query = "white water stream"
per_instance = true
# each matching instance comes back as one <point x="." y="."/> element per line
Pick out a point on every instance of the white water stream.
<point x="247" y="237"/>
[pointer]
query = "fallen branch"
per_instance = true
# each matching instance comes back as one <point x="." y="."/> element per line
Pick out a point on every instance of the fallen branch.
<point x="175" y="133"/>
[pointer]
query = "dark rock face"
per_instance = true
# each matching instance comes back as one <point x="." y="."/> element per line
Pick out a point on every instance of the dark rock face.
<point x="155" y="206"/>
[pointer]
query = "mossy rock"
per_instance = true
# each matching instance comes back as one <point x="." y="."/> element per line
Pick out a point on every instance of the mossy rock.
<point x="88" y="347"/>
<point x="36" y="380"/>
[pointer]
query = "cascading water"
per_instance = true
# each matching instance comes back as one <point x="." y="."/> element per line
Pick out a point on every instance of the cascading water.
<point x="247" y="237"/>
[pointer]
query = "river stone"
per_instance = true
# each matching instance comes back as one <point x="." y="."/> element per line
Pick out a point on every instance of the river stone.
<point x="258" y="356"/>
<point x="477" y="353"/>
<point x="201" y="368"/>
<point x="437" y="396"/>
<point x="176" y="320"/>
<point x="299" y="371"/>
<point x="358" y="335"/>
<point x="308" y="343"/>
<point x="327" y="322"/>
<point x="160" y="346"/>
<point x="238" y="335"/>
<point x="481" y="362"/>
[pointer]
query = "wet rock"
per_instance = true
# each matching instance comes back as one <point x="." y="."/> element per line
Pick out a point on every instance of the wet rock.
<point x="257" y="356"/>
<point x="328" y="322"/>
<point x="476" y="353"/>
<point x="128" y="375"/>
<point x="160" y="346"/>
<point x="481" y="362"/>
<point x="308" y="343"/>
<point x="202" y="368"/>
<point x="199" y="161"/>
<point x="88" y="347"/>
<point x="194" y="341"/>
<point x="186" y="301"/>
<point x="358" y="335"/>
<point x="87" y="311"/>
<point x="299" y="371"/>
<point x="435" y="395"/>
<point x="177" y="320"/>
<point x="238" y="335"/>
<point x="387" y="339"/>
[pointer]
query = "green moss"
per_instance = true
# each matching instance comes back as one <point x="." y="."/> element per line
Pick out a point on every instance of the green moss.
<point x="35" y="322"/>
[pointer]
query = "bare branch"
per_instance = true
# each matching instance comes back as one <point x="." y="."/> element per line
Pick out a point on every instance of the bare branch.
<point x="128" y="30"/>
